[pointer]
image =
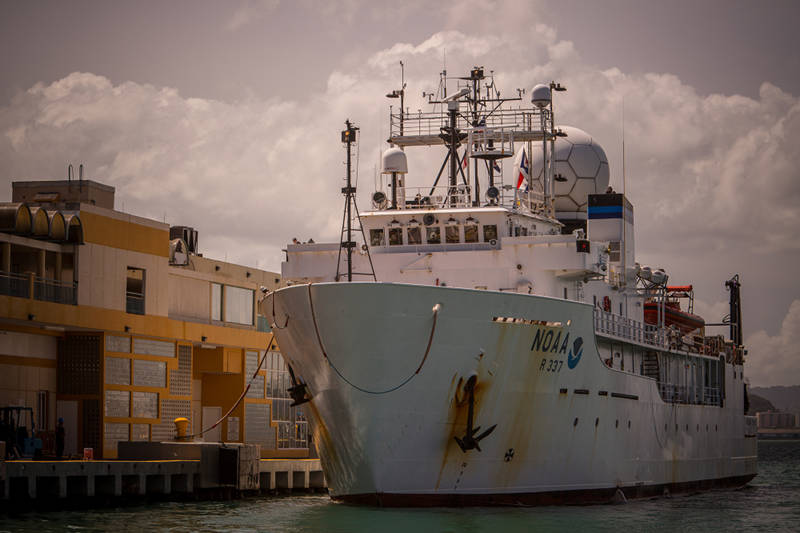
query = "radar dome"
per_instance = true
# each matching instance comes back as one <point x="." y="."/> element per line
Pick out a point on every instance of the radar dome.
<point x="583" y="165"/>
<point x="394" y="160"/>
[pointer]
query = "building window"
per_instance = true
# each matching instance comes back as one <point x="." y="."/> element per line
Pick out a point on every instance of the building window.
<point x="395" y="236"/>
<point x="414" y="235"/>
<point x="216" y="301"/>
<point x="451" y="234"/>
<point x="134" y="291"/>
<point x="238" y="305"/>
<point x="433" y="235"/>
<point x="490" y="233"/>
<point x="376" y="237"/>
<point x="471" y="233"/>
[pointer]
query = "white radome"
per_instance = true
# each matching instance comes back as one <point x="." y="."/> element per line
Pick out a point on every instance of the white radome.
<point x="584" y="165"/>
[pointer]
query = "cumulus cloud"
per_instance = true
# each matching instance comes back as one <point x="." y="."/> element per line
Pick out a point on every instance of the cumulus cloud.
<point x="775" y="359"/>
<point x="714" y="179"/>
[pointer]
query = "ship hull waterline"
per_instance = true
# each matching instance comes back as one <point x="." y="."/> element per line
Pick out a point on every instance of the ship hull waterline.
<point x="386" y="367"/>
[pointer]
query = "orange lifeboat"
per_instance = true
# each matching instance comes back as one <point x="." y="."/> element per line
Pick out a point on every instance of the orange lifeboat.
<point x="673" y="316"/>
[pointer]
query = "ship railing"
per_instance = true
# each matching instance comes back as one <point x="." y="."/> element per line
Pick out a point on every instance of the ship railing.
<point x="461" y="197"/>
<point x="689" y="394"/>
<point x="606" y="323"/>
<point x="430" y="124"/>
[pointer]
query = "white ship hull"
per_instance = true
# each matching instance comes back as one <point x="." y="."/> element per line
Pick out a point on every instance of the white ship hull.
<point x="568" y="427"/>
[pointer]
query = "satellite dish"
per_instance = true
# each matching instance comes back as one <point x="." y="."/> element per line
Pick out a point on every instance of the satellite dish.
<point x="492" y="193"/>
<point x="379" y="200"/>
<point x="428" y="219"/>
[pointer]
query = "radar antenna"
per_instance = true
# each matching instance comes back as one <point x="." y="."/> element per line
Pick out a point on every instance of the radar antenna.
<point x="351" y="216"/>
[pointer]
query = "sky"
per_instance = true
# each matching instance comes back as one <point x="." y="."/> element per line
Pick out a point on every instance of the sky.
<point x="226" y="116"/>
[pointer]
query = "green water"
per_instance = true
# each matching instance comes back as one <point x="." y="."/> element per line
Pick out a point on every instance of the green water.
<point x="771" y="502"/>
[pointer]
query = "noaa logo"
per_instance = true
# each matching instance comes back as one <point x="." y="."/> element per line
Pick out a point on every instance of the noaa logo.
<point x="574" y="356"/>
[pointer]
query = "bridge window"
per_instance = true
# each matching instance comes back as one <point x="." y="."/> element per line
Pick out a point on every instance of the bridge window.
<point x="376" y="237"/>
<point x="395" y="236"/>
<point x="433" y="235"/>
<point x="451" y="234"/>
<point x="490" y="233"/>
<point x="414" y="235"/>
<point x="471" y="233"/>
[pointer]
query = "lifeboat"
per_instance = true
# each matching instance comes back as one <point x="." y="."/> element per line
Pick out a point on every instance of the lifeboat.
<point x="673" y="316"/>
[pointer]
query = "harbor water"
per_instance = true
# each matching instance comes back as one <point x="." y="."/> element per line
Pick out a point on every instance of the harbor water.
<point x="771" y="502"/>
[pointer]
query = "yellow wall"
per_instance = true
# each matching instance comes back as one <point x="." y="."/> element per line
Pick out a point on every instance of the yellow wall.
<point x="126" y="232"/>
<point x="99" y="319"/>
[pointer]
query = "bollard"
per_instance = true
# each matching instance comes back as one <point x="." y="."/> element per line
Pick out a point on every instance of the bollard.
<point x="181" y="428"/>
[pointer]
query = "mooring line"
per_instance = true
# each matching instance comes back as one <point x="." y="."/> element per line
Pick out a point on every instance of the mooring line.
<point x="244" y="393"/>
<point x="436" y="309"/>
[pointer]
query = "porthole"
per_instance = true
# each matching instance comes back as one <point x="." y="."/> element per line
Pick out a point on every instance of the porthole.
<point x="575" y="423"/>
<point x="616" y="423"/>
<point x="665" y="427"/>
<point x="676" y="428"/>
<point x="629" y="424"/>
<point x="687" y="427"/>
<point x="698" y="427"/>
<point x="596" y="421"/>
<point x="706" y="427"/>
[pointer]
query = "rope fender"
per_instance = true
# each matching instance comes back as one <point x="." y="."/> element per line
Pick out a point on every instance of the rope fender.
<point x="435" y="310"/>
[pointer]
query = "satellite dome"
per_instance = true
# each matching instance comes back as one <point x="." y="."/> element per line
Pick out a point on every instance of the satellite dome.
<point x="540" y="95"/>
<point x="583" y="165"/>
<point x="394" y="160"/>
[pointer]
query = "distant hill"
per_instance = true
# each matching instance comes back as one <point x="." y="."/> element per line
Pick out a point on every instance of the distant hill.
<point x="783" y="398"/>
<point x="759" y="404"/>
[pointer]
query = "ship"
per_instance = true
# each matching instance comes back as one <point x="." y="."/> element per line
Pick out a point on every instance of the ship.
<point x="493" y="341"/>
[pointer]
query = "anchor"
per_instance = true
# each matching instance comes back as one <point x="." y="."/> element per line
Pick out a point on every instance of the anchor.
<point x="298" y="391"/>
<point x="470" y="441"/>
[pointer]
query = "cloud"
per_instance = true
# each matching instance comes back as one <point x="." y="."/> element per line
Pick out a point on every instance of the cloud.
<point x="714" y="179"/>
<point x="250" y="11"/>
<point x="775" y="359"/>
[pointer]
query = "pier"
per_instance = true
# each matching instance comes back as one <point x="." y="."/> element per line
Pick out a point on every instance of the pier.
<point x="215" y="472"/>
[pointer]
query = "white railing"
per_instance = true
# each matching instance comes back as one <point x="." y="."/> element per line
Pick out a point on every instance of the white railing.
<point x="444" y="196"/>
<point x="629" y="329"/>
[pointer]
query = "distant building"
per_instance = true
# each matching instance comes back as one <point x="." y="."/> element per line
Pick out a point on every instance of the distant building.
<point x="118" y="325"/>
<point x="776" y="420"/>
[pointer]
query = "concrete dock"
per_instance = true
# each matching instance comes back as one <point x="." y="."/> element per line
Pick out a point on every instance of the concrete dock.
<point x="223" y="472"/>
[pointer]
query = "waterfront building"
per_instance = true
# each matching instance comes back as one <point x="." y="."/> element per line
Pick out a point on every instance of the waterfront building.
<point x="776" y="420"/>
<point x="117" y="324"/>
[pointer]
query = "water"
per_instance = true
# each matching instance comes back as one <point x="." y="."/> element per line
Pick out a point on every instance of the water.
<point x="771" y="502"/>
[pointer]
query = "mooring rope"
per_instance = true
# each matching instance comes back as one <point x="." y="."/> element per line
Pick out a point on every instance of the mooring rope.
<point x="244" y="393"/>
<point x="436" y="309"/>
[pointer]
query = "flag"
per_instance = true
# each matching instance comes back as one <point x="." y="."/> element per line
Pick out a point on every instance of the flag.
<point x="522" y="171"/>
<point x="464" y="160"/>
<point x="496" y="168"/>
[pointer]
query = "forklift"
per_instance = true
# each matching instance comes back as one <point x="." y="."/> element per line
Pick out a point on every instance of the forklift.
<point x="14" y="423"/>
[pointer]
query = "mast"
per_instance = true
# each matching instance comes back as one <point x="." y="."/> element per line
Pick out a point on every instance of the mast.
<point x="348" y="137"/>
<point x="351" y="214"/>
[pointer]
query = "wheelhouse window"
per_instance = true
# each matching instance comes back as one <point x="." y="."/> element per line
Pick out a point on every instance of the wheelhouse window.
<point x="376" y="237"/>
<point x="414" y="235"/>
<point x="489" y="233"/>
<point x="395" y="236"/>
<point x="433" y="235"/>
<point x="451" y="234"/>
<point x="471" y="233"/>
